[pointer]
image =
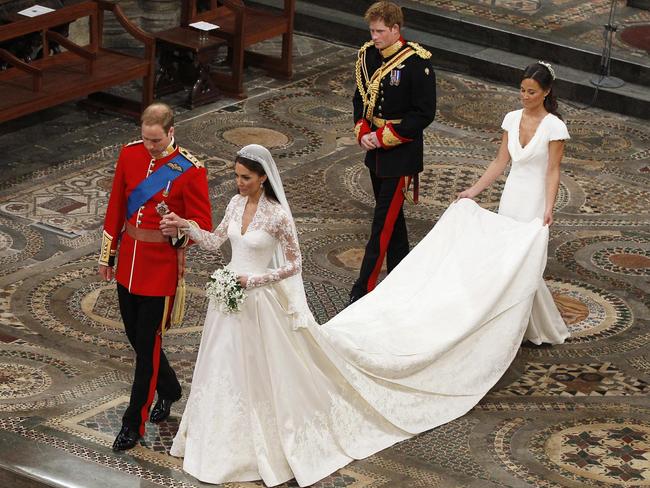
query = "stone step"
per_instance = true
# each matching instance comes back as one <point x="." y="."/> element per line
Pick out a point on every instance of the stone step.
<point x="483" y="32"/>
<point x="573" y="83"/>
<point x="28" y="463"/>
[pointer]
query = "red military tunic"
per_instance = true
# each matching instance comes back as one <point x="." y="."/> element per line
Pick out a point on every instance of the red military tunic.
<point x="151" y="268"/>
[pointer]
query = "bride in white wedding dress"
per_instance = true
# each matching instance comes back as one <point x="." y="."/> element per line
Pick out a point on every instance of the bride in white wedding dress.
<point x="275" y="396"/>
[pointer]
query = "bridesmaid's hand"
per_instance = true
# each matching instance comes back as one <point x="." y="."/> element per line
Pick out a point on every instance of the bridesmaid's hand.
<point x="469" y="193"/>
<point x="170" y="223"/>
<point x="548" y="217"/>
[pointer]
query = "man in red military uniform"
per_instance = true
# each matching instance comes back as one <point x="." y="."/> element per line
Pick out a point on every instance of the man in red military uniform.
<point x="394" y="102"/>
<point x="153" y="176"/>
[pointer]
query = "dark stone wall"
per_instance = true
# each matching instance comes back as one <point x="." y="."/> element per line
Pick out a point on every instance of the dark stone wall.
<point x="150" y="15"/>
<point x="642" y="4"/>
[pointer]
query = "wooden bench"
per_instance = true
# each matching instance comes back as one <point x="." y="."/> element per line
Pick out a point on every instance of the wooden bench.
<point x="242" y="26"/>
<point x="77" y="71"/>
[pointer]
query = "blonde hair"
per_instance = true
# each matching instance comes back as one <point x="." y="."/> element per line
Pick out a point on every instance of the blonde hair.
<point x="390" y="13"/>
<point x="158" y="113"/>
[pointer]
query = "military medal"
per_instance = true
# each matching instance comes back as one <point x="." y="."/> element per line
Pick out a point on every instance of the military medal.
<point x="395" y="76"/>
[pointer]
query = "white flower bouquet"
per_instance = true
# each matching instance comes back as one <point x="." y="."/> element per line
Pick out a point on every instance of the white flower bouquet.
<point x="225" y="290"/>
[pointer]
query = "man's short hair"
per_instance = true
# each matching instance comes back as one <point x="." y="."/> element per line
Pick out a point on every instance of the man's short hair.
<point x="389" y="12"/>
<point x="158" y="113"/>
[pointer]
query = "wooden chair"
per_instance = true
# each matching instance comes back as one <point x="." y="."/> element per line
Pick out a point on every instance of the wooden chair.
<point x="242" y="26"/>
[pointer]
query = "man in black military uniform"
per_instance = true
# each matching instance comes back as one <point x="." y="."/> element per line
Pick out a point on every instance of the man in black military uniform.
<point x="394" y="102"/>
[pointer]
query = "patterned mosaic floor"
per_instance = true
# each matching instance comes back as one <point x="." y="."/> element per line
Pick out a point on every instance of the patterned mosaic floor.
<point x="575" y="415"/>
<point x="576" y="22"/>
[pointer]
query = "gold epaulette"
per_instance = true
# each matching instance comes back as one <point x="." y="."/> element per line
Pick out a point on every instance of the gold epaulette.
<point x="191" y="157"/>
<point x="419" y="50"/>
<point x="133" y="143"/>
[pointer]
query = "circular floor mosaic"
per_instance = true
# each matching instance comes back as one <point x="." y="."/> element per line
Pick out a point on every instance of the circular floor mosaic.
<point x="616" y="452"/>
<point x="604" y="139"/>
<point x="590" y="313"/>
<point x="96" y="304"/>
<point x="72" y="303"/>
<point x="631" y="261"/>
<point x="242" y="136"/>
<point x="20" y="381"/>
<point x="334" y="256"/>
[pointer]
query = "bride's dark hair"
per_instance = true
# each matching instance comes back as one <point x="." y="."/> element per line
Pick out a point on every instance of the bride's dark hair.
<point x="544" y="77"/>
<point x="258" y="169"/>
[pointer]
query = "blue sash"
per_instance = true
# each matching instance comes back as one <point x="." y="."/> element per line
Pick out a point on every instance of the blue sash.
<point x="155" y="182"/>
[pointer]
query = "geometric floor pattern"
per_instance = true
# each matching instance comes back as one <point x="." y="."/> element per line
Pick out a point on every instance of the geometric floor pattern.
<point x="574" y="415"/>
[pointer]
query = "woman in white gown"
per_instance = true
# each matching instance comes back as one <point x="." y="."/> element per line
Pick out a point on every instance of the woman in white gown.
<point x="275" y="396"/>
<point x="533" y="140"/>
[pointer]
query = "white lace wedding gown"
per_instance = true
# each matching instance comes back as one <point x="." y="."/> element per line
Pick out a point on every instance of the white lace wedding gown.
<point x="272" y="402"/>
<point x="524" y="199"/>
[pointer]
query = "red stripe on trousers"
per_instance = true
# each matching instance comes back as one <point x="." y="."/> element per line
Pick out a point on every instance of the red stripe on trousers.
<point x="153" y="382"/>
<point x="387" y="232"/>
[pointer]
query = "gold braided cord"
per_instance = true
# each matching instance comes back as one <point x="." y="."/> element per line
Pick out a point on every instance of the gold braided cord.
<point x="361" y="65"/>
<point x="420" y="51"/>
<point x="373" y="84"/>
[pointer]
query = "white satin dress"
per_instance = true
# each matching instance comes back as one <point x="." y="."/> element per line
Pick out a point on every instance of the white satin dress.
<point x="272" y="402"/>
<point x="524" y="199"/>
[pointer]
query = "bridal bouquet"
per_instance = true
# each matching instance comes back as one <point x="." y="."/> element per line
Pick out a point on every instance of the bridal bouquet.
<point x="226" y="291"/>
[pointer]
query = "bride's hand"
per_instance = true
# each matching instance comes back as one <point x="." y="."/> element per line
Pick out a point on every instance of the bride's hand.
<point x="170" y="223"/>
<point x="243" y="281"/>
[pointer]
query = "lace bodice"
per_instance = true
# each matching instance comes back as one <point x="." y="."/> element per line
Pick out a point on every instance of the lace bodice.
<point x="253" y="251"/>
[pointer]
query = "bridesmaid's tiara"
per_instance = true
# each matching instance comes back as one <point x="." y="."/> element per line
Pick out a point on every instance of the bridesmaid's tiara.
<point x="549" y="67"/>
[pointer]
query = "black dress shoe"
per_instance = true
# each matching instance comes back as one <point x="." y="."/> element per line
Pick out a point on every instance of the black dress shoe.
<point x="160" y="410"/>
<point x="353" y="298"/>
<point x="126" y="439"/>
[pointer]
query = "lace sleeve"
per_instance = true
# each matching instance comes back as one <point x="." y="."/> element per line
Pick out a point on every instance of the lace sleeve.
<point x="212" y="241"/>
<point x="282" y="229"/>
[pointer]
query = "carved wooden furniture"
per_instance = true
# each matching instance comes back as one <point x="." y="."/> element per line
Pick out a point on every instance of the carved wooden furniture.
<point x="184" y="55"/>
<point x="242" y="26"/>
<point x="77" y="71"/>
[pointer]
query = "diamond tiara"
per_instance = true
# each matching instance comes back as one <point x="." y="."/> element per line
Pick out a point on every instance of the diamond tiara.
<point x="549" y="67"/>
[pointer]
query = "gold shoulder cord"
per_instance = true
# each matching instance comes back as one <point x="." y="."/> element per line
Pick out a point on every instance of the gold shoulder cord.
<point x="361" y="65"/>
<point x="373" y="85"/>
<point x="419" y="50"/>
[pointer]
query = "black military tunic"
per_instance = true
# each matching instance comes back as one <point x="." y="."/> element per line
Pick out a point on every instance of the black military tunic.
<point x="396" y="99"/>
<point x="403" y="106"/>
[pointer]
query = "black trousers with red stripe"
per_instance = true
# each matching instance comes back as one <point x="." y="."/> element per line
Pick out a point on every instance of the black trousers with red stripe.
<point x="143" y="317"/>
<point x="388" y="234"/>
